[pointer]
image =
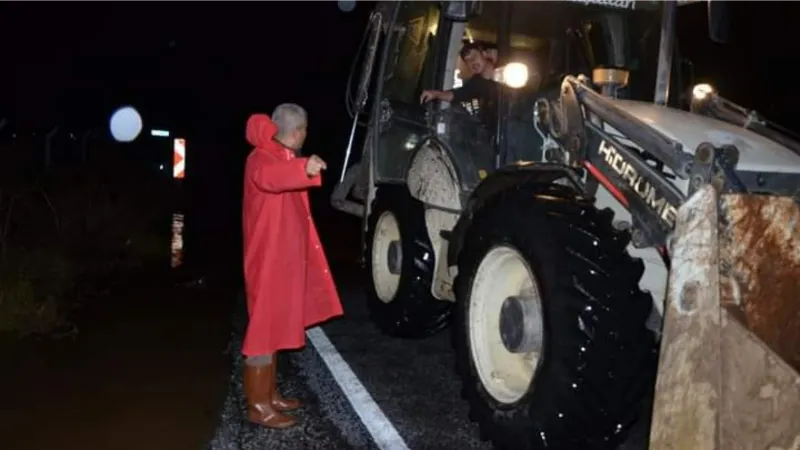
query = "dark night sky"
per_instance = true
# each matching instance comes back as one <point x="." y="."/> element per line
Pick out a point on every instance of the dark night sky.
<point x="202" y="67"/>
<point x="196" y="66"/>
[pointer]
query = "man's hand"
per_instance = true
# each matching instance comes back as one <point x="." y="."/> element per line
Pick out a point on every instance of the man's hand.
<point x="446" y="96"/>
<point x="314" y="165"/>
<point x="428" y="96"/>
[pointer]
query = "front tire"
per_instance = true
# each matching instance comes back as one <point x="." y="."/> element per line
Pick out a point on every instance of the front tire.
<point x="400" y="263"/>
<point x="589" y="361"/>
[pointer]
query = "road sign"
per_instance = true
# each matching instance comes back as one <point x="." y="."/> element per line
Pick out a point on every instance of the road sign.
<point x="179" y="158"/>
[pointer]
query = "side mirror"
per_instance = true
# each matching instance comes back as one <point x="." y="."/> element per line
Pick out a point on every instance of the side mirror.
<point x="461" y="11"/>
<point x="719" y="21"/>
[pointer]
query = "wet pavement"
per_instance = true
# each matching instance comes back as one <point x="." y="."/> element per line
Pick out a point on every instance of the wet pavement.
<point x="411" y="382"/>
<point x="158" y="367"/>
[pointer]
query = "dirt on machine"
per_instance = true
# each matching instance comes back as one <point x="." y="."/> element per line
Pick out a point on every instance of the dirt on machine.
<point x="605" y="254"/>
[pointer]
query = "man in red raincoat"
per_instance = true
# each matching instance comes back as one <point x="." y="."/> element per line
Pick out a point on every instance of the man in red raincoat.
<point x="287" y="279"/>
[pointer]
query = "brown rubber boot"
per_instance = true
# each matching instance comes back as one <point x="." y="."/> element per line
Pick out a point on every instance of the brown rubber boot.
<point x="259" y="384"/>
<point x="278" y="401"/>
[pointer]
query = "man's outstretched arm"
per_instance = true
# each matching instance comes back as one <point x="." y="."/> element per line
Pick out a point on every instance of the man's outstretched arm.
<point x="282" y="176"/>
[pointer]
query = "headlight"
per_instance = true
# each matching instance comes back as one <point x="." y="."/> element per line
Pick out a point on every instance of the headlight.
<point x="513" y="75"/>
<point x="702" y="91"/>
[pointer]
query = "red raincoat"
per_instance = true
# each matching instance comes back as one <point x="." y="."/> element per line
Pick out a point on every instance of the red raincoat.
<point x="287" y="278"/>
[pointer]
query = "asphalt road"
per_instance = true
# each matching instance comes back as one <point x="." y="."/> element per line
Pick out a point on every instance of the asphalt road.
<point x="362" y="390"/>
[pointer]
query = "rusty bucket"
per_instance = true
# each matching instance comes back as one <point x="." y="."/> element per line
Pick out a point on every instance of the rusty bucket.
<point x="729" y="371"/>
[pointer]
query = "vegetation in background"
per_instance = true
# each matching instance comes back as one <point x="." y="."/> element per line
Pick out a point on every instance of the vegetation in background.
<point x="65" y="229"/>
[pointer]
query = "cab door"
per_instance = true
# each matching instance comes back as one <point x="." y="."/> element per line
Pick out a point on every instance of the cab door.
<point x="399" y="121"/>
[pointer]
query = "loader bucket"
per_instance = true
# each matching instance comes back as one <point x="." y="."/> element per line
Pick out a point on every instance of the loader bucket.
<point x="728" y="373"/>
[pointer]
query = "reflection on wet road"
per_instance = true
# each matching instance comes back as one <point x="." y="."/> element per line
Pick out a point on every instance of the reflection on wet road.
<point x="176" y="242"/>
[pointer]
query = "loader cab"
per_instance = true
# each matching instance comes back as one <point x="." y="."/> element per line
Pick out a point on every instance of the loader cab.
<point x="537" y="43"/>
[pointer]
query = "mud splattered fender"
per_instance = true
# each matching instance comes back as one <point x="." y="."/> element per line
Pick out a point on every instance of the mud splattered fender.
<point x="530" y="176"/>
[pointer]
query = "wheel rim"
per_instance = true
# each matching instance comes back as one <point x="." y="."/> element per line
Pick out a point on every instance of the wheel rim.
<point x="385" y="244"/>
<point x="503" y="273"/>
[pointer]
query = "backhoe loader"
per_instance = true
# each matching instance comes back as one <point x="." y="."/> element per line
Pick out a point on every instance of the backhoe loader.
<point x="598" y="243"/>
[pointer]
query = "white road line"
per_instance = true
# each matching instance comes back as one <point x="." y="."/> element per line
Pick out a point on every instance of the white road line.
<point x="383" y="432"/>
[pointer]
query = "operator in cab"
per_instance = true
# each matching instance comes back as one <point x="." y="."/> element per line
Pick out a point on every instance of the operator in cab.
<point x="478" y="94"/>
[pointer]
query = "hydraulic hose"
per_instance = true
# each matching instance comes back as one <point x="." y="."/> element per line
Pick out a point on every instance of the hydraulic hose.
<point x="349" y="100"/>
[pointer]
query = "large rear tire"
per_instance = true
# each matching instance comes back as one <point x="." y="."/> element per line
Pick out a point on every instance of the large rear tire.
<point x="400" y="263"/>
<point x="587" y="360"/>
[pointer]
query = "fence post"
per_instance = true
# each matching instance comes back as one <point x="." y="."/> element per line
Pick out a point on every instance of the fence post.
<point x="48" y="147"/>
<point x="85" y="145"/>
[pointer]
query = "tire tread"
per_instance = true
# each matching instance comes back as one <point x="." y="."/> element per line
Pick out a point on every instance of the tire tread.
<point x="581" y="260"/>
<point x="414" y="313"/>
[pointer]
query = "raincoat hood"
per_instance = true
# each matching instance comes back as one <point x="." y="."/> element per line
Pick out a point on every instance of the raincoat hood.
<point x="260" y="130"/>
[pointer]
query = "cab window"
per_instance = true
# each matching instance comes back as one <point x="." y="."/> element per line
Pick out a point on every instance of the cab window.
<point x="411" y="40"/>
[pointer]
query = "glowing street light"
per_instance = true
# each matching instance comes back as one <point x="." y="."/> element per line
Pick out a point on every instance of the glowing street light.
<point x="125" y="124"/>
<point x="346" y="6"/>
